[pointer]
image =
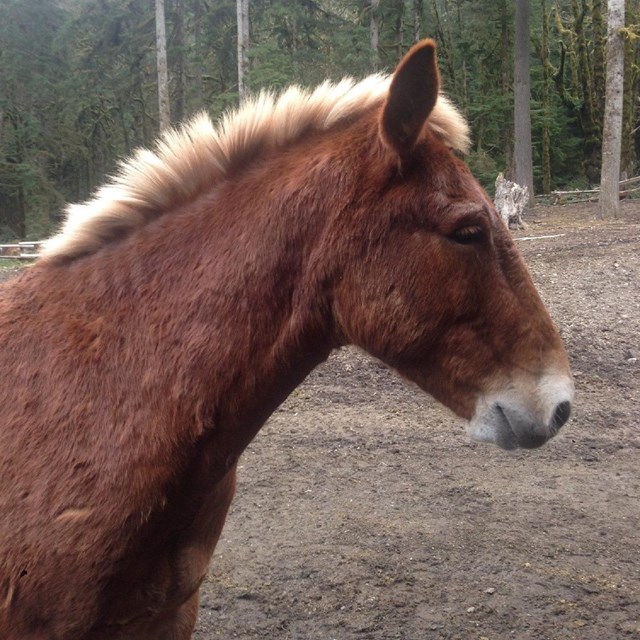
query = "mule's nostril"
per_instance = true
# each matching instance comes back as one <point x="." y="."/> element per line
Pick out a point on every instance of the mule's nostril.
<point x="561" y="414"/>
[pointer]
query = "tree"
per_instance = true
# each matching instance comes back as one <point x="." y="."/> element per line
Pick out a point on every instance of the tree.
<point x="180" y="105"/>
<point x="242" y="7"/>
<point x="505" y="84"/>
<point x="582" y="37"/>
<point x="522" y="99"/>
<point x="417" y="18"/>
<point x="163" y="76"/>
<point x="609" y="202"/>
<point x="374" y="33"/>
<point x="31" y="112"/>
<point x="630" y="131"/>
<point x="546" y="102"/>
<point x="87" y="92"/>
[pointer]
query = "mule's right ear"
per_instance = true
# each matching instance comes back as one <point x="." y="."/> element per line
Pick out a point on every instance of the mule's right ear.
<point x="412" y="95"/>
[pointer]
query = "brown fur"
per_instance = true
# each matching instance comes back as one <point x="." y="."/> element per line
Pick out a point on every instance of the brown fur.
<point x="136" y="373"/>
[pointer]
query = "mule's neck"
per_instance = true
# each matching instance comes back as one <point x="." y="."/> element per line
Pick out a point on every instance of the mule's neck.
<point x="232" y="292"/>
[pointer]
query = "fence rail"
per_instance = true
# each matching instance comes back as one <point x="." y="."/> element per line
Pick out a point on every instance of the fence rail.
<point x="27" y="250"/>
<point x="627" y="188"/>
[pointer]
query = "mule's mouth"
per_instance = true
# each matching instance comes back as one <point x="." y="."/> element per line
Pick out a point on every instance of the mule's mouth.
<point x="508" y="438"/>
<point x="493" y="427"/>
<point x="511" y="428"/>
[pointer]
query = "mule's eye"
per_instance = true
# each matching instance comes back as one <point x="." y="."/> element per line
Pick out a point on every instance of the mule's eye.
<point x="468" y="235"/>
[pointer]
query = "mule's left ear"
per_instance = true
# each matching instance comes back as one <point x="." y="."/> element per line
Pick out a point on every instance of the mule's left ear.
<point x="412" y="96"/>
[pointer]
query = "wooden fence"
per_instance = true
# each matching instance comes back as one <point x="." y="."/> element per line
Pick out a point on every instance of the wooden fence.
<point x="20" y="250"/>
<point x="627" y="188"/>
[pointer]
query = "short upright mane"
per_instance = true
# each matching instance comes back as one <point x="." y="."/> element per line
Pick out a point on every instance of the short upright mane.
<point x="197" y="155"/>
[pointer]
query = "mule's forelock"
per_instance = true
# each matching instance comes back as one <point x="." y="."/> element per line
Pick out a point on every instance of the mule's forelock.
<point x="185" y="161"/>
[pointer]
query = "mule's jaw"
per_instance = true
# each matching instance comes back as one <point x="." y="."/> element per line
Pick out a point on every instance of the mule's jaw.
<point x="525" y="415"/>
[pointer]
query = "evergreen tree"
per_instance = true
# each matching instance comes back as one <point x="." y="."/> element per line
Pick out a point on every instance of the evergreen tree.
<point x="522" y="102"/>
<point x="79" y="85"/>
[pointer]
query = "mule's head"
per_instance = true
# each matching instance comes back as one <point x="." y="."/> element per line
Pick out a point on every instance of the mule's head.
<point x="435" y="286"/>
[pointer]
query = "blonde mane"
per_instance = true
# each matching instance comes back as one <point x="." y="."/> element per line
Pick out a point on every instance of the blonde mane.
<point x="187" y="160"/>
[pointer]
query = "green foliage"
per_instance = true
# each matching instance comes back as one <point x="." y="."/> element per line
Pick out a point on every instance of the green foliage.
<point x="12" y="266"/>
<point x="78" y="86"/>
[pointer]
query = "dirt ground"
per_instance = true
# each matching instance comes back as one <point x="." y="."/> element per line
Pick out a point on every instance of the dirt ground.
<point x="363" y="511"/>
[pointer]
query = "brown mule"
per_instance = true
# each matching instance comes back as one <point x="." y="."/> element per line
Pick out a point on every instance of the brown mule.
<point x="180" y="307"/>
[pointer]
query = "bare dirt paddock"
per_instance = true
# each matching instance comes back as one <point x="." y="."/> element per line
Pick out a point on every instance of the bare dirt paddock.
<point x="363" y="512"/>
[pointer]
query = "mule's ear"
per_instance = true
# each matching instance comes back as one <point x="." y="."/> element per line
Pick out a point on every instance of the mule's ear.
<point x="412" y="96"/>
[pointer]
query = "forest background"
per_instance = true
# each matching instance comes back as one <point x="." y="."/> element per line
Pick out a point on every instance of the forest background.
<point x="78" y="81"/>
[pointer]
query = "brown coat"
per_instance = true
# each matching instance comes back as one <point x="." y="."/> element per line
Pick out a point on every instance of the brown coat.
<point x="183" y="304"/>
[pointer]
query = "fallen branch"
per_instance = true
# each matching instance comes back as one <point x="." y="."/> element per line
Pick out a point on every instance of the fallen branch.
<point x="573" y="193"/>
<point x="591" y="195"/>
<point x="22" y="256"/>
<point x="556" y="235"/>
<point x="624" y="183"/>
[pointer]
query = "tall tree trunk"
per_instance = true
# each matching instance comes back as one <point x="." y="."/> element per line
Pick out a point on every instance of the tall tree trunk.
<point x="522" y="99"/>
<point x="399" y="27"/>
<point x="181" y="82"/>
<point x="630" y="99"/>
<point x="17" y="219"/>
<point x="599" y="47"/>
<point x="123" y="126"/>
<point x="163" y="79"/>
<point x="242" y="7"/>
<point x="546" y="106"/>
<point x="417" y="19"/>
<point x="197" y="45"/>
<point x="588" y="116"/>
<point x="445" y="50"/>
<point x="21" y="218"/>
<point x="609" y="202"/>
<point x="507" y="134"/>
<point x="374" y="34"/>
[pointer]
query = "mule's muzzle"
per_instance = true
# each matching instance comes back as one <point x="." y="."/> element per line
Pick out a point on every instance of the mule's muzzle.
<point x="512" y="420"/>
<point x="518" y="431"/>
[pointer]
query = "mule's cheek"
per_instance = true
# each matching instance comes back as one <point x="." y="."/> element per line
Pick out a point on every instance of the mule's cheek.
<point x="385" y="321"/>
<point x="455" y="370"/>
<point x="447" y="382"/>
